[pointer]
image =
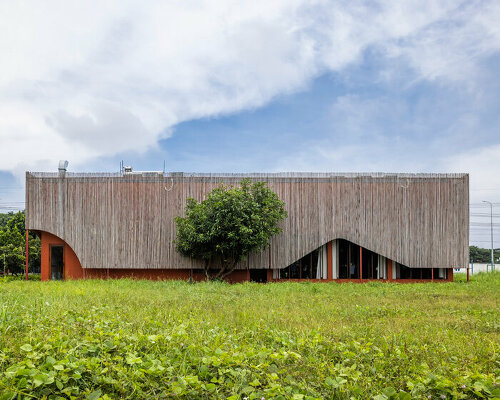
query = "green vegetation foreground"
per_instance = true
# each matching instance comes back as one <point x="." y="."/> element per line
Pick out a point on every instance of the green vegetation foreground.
<point x="140" y="339"/>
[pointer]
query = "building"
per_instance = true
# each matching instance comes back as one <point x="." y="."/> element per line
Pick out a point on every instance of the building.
<point x="343" y="227"/>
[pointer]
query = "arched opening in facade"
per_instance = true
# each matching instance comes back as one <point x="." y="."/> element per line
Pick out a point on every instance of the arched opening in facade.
<point x="342" y="260"/>
<point x="58" y="261"/>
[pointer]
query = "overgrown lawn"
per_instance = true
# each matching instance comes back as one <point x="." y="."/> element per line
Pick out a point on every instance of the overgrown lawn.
<point x="142" y="339"/>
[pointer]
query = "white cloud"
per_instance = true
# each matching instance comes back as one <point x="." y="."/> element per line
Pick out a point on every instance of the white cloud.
<point x="374" y="132"/>
<point x="454" y="46"/>
<point x="80" y="80"/>
<point x="483" y="165"/>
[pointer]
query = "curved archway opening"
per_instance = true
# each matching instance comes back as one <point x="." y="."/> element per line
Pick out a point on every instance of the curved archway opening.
<point x="58" y="261"/>
<point x="342" y="260"/>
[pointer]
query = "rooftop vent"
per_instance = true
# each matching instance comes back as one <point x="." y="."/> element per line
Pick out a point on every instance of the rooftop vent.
<point x="63" y="166"/>
<point x="127" y="169"/>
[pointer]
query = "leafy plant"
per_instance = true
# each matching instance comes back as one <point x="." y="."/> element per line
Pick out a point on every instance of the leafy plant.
<point x="229" y="224"/>
<point x="142" y="339"/>
<point x="13" y="245"/>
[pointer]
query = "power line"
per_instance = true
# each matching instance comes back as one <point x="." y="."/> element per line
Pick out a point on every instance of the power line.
<point x="483" y="224"/>
<point x="472" y="214"/>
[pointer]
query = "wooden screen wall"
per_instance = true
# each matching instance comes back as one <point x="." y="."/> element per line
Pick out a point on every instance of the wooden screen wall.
<point x="115" y="221"/>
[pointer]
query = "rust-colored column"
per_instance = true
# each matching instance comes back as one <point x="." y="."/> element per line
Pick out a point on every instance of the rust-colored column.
<point x="329" y="261"/>
<point x="360" y="263"/>
<point x="450" y="274"/>
<point x="269" y="275"/>
<point x="27" y="252"/>
<point x="467" y="273"/>
<point x="432" y="274"/>
<point x="389" y="269"/>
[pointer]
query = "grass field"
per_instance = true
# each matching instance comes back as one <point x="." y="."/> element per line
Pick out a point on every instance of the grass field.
<point x="140" y="339"/>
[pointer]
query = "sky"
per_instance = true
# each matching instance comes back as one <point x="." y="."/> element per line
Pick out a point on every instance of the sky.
<point x="230" y="86"/>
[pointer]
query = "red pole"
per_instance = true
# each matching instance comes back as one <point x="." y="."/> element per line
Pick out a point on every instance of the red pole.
<point x="329" y="261"/>
<point x="27" y="252"/>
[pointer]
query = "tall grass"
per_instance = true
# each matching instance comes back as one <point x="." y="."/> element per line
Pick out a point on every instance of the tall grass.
<point x="171" y="339"/>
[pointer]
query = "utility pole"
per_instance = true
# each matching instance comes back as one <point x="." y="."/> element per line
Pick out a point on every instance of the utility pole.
<point x="491" y="225"/>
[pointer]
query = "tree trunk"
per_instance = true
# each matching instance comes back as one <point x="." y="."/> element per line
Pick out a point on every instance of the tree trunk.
<point x="205" y="269"/>
<point x="226" y="271"/>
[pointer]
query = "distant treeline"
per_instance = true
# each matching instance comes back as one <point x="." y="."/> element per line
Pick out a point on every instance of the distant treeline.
<point x="13" y="245"/>
<point x="479" y="255"/>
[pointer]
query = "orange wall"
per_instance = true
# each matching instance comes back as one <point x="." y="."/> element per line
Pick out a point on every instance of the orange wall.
<point x="72" y="266"/>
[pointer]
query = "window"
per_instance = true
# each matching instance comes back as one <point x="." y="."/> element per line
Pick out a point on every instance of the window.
<point x="311" y="266"/>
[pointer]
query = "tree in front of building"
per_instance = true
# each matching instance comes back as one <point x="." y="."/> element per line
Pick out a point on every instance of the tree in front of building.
<point x="229" y="224"/>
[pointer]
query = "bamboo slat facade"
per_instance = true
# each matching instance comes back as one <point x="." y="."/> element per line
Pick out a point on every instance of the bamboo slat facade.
<point x="114" y="220"/>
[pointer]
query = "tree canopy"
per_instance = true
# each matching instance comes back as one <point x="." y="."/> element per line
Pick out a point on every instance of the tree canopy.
<point x="229" y="224"/>
<point x="13" y="244"/>
<point x="480" y="255"/>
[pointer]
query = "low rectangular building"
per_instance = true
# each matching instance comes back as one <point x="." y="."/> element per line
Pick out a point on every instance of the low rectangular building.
<point x="350" y="226"/>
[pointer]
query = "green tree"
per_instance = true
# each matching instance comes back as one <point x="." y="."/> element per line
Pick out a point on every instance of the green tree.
<point x="480" y="255"/>
<point x="230" y="223"/>
<point x="13" y="245"/>
<point x="4" y="218"/>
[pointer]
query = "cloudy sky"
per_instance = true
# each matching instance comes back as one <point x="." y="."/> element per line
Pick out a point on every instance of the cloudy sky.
<point x="285" y="85"/>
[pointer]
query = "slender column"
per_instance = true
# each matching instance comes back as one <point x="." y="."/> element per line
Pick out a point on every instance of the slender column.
<point x="349" y="260"/>
<point x="432" y="274"/>
<point x="467" y="273"/>
<point x="329" y="263"/>
<point x="360" y="263"/>
<point x="371" y="267"/>
<point x="389" y="269"/>
<point x="27" y="252"/>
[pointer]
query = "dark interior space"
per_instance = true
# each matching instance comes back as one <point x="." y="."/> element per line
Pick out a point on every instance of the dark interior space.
<point x="57" y="262"/>
<point x="305" y="268"/>
<point x="258" y="275"/>
<point x="348" y="260"/>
